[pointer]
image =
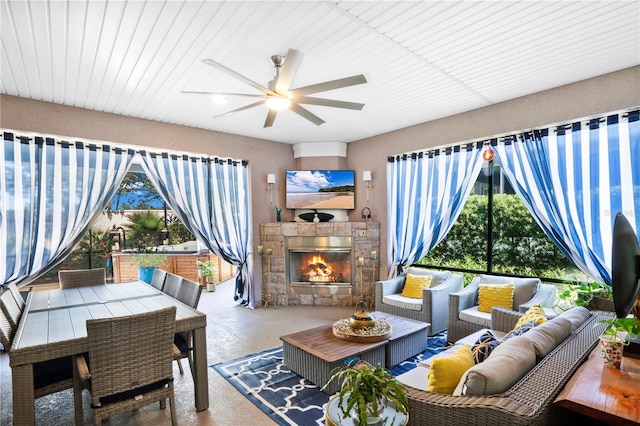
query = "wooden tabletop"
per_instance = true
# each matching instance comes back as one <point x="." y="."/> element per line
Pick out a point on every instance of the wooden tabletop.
<point x="604" y="393"/>
<point x="321" y="342"/>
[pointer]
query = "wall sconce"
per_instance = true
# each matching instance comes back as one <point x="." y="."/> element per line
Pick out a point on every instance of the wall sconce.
<point x="271" y="180"/>
<point x="366" y="176"/>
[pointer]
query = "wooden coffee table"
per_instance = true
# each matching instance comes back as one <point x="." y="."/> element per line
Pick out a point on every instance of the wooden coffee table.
<point x="316" y="353"/>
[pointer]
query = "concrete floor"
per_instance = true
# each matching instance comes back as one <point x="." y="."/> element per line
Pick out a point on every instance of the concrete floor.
<point x="232" y="331"/>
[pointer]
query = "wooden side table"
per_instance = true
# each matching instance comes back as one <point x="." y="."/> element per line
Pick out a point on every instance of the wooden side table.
<point x="604" y="393"/>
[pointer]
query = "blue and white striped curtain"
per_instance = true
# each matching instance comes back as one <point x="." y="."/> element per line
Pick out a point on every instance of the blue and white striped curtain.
<point x="210" y="196"/>
<point x="574" y="180"/>
<point x="50" y="194"/>
<point x="425" y="195"/>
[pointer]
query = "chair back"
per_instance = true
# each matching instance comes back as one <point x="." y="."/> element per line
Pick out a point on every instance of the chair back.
<point x="130" y="352"/>
<point x="81" y="277"/>
<point x="7" y="331"/>
<point x="16" y="295"/>
<point x="189" y="293"/>
<point x="158" y="278"/>
<point x="10" y="308"/>
<point x="172" y="284"/>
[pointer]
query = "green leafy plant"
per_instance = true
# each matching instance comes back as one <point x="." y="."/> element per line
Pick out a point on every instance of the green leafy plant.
<point x="368" y="387"/>
<point x="208" y="268"/>
<point x="149" y="260"/>
<point x="629" y="325"/>
<point x="571" y="295"/>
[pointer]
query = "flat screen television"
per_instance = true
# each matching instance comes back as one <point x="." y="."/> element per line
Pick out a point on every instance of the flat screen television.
<point x="320" y="189"/>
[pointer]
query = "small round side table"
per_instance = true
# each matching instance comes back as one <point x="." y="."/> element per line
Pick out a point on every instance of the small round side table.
<point x="333" y="415"/>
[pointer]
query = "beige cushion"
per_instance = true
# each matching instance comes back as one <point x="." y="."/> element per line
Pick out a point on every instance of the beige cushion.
<point x="492" y="295"/>
<point x="415" y="284"/>
<point x="400" y="301"/>
<point x="524" y="288"/>
<point x="506" y="365"/>
<point x="548" y="335"/>
<point x="577" y="316"/>
<point x="438" y="276"/>
<point x="474" y="316"/>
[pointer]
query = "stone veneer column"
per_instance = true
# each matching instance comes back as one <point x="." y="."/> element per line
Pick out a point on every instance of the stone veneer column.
<point x="366" y="237"/>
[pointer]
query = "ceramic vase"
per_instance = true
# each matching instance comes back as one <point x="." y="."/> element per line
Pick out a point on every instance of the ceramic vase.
<point x="612" y="347"/>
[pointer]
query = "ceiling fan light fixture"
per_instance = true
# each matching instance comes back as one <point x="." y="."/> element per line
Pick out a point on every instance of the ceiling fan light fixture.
<point x="218" y="100"/>
<point x="278" y="103"/>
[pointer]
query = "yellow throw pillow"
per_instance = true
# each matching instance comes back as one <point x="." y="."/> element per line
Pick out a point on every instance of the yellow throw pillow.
<point x="535" y="313"/>
<point x="446" y="371"/>
<point x="414" y="284"/>
<point x="490" y="295"/>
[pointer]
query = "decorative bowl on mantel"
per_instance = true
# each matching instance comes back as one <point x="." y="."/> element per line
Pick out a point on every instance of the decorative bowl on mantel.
<point x="322" y="217"/>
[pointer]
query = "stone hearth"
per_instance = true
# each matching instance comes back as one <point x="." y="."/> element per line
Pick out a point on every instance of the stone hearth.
<point x="366" y="237"/>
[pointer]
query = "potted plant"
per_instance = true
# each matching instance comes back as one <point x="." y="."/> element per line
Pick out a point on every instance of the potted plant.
<point x="147" y="263"/>
<point x="208" y="270"/>
<point x="618" y="334"/>
<point x="366" y="390"/>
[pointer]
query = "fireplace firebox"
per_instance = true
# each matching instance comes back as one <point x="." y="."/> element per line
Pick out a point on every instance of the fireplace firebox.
<point x="319" y="265"/>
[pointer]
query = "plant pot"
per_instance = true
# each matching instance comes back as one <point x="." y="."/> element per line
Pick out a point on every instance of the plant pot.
<point x="373" y="419"/>
<point x="211" y="283"/>
<point x="146" y="274"/>
<point x="612" y="348"/>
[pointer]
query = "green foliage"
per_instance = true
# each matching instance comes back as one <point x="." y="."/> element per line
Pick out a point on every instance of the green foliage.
<point x="144" y="230"/>
<point x="629" y="325"/>
<point x="208" y="268"/>
<point x="367" y="388"/>
<point x="139" y="184"/>
<point x="149" y="260"/>
<point x="178" y="233"/>
<point x="571" y="295"/>
<point x="520" y="247"/>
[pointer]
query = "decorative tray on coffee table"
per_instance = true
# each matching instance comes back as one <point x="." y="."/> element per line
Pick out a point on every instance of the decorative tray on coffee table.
<point x="379" y="332"/>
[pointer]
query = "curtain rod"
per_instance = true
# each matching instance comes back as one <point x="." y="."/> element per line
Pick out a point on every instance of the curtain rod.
<point x="95" y="145"/>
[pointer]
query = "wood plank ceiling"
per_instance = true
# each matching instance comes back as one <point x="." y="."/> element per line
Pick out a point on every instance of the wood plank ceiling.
<point x="423" y="60"/>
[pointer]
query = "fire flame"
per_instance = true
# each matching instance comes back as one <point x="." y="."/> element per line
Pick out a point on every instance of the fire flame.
<point x="319" y="270"/>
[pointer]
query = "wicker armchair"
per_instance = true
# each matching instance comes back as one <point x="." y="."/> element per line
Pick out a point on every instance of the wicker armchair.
<point x="432" y="308"/>
<point x="81" y="277"/>
<point x="464" y="317"/>
<point x="189" y="294"/>
<point x="129" y="364"/>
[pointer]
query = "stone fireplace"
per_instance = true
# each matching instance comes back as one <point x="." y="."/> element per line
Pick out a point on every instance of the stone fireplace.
<point x="326" y="263"/>
<point x="319" y="265"/>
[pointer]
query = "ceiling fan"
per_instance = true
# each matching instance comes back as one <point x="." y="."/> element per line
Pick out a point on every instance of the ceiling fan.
<point x="279" y="96"/>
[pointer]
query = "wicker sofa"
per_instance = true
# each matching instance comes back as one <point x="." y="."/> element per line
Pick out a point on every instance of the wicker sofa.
<point x="529" y="401"/>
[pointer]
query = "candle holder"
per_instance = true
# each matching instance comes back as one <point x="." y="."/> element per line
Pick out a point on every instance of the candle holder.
<point x="268" y="253"/>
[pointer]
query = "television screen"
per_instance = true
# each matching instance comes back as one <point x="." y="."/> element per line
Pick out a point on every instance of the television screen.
<point x="320" y="189"/>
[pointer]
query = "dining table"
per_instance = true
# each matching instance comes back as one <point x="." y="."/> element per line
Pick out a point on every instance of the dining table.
<point x="53" y="325"/>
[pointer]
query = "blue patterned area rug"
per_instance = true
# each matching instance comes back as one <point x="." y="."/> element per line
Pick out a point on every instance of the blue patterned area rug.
<point x="286" y="397"/>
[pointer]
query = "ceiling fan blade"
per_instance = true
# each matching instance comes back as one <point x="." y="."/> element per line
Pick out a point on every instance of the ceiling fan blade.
<point x="328" y="85"/>
<point x="238" y="76"/>
<point x="292" y="62"/>
<point x="249" y="95"/>
<point x="306" y="114"/>
<point x="329" y="103"/>
<point x="242" y="108"/>
<point x="271" y="116"/>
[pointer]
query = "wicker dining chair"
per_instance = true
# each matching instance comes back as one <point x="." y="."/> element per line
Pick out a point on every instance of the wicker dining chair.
<point x="16" y="295"/>
<point x="172" y="285"/>
<point x="157" y="280"/>
<point x="81" y="277"/>
<point x="10" y="308"/>
<point x="49" y="376"/>
<point x="189" y="294"/>
<point x="128" y="366"/>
